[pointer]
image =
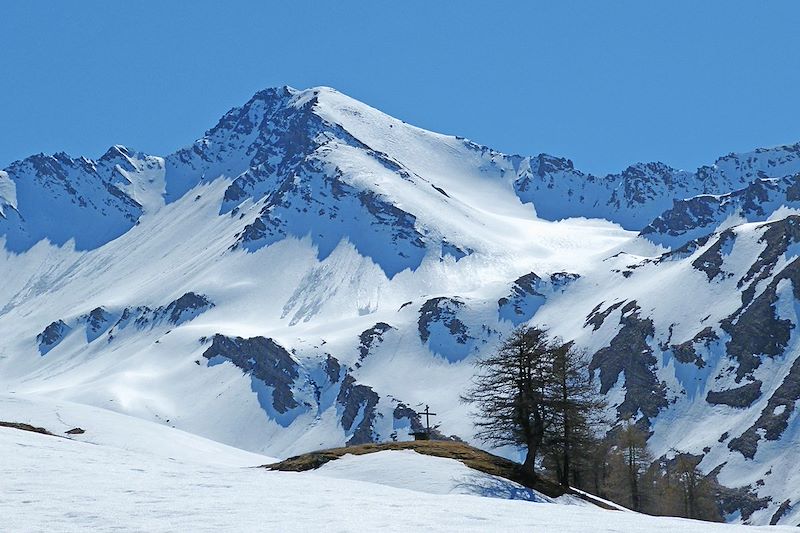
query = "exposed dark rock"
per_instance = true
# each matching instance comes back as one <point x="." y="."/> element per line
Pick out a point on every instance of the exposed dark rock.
<point x="740" y="397"/>
<point x="457" y="252"/>
<point x="441" y="310"/>
<point x="774" y="419"/>
<point x="75" y="431"/>
<point x="24" y="427"/>
<point x="358" y="404"/>
<point x="187" y="307"/>
<point x="52" y="336"/>
<point x="402" y="411"/>
<point x="784" y="508"/>
<point x="630" y="353"/>
<point x="684" y="216"/>
<point x="701" y="214"/>
<point x="263" y="359"/>
<point x="80" y="198"/>
<point x="177" y="312"/>
<point x="340" y="206"/>
<point x="561" y="279"/>
<point x="370" y="338"/>
<point x="685" y="352"/>
<point x="523" y="301"/>
<point x="455" y="341"/>
<point x="596" y="317"/>
<point x="757" y="331"/>
<point x="742" y="499"/>
<point x="754" y="328"/>
<point x="777" y="238"/>
<point x="710" y="261"/>
<point x="332" y="369"/>
<point x="97" y="322"/>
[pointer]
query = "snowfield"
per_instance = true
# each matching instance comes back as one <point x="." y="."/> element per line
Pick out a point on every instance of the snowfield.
<point x="57" y="484"/>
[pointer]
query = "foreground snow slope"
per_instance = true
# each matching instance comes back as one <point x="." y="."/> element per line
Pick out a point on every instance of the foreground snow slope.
<point x="126" y="433"/>
<point x="56" y="484"/>
<point x="408" y="469"/>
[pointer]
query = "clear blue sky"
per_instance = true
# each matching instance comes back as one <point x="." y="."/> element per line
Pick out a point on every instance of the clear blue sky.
<point x="606" y="83"/>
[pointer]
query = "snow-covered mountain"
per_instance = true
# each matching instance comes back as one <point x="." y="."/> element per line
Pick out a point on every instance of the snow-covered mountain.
<point x="311" y="271"/>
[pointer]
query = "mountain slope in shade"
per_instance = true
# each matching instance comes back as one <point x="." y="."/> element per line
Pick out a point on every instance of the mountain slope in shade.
<point x="60" y="198"/>
<point x="311" y="272"/>
<point x="697" y="216"/>
<point x="701" y="343"/>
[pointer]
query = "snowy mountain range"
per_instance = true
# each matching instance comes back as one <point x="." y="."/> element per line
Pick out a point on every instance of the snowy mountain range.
<point x="311" y="271"/>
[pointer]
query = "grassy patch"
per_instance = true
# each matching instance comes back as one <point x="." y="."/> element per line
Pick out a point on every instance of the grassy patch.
<point x="470" y="456"/>
<point x="24" y="427"/>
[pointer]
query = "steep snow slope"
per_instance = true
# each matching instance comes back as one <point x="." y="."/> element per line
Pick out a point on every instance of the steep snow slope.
<point x="311" y="271"/>
<point x="60" y="198"/>
<point x="114" y="343"/>
<point x="701" y="344"/>
<point x="101" y="488"/>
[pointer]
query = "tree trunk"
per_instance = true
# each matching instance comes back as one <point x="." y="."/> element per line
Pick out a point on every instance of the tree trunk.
<point x="530" y="460"/>
<point x="567" y="442"/>
<point x="634" y="475"/>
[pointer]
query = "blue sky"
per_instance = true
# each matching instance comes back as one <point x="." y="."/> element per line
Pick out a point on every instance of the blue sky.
<point x="606" y="83"/>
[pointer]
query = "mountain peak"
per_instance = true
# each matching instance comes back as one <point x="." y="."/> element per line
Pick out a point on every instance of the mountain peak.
<point x="114" y="152"/>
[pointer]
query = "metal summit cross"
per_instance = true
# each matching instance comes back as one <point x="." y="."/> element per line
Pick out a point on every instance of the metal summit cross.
<point x="426" y="434"/>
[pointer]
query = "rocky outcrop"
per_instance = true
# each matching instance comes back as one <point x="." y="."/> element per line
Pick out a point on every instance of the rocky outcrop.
<point x="774" y="419"/>
<point x="669" y="206"/>
<point x="370" y="338"/>
<point x="742" y="500"/>
<point x="686" y="352"/>
<point x="403" y="412"/>
<point x="263" y="359"/>
<point x="598" y="315"/>
<point x="186" y="308"/>
<point x="52" y="336"/>
<point x="178" y="312"/>
<point x="333" y="369"/>
<point x="699" y="215"/>
<point x="441" y="327"/>
<point x="523" y="301"/>
<point x="739" y="397"/>
<point x="710" y="261"/>
<point x="368" y="220"/>
<point x="61" y="198"/>
<point x="97" y="322"/>
<point x="757" y="330"/>
<point x="528" y="293"/>
<point x="358" y="403"/>
<point x="630" y="354"/>
<point x="783" y="509"/>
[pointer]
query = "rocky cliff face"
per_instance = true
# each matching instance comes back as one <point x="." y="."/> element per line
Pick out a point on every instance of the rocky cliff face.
<point x="60" y="198"/>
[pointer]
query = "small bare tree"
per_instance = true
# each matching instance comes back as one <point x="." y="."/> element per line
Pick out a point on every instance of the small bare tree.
<point x="578" y="406"/>
<point x="512" y="393"/>
<point x="537" y="392"/>
<point x="629" y="461"/>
